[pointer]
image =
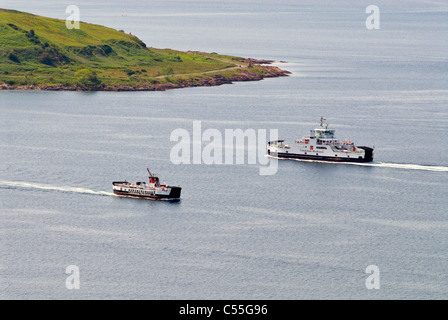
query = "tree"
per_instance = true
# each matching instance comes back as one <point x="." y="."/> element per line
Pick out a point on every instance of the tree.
<point x="87" y="78"/>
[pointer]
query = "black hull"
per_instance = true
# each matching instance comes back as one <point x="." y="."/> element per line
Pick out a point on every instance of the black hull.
<point x="319" y="158"/>
<point x="175" y="192"/>
<point x="174" y="195"/>
<point x="368" y="153"/>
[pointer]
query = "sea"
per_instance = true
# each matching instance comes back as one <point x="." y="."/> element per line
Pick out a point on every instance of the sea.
<point x="312" y="230"/>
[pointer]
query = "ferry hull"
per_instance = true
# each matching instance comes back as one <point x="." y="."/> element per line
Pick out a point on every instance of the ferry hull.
<point x="319" y="158"/>
<point x="368" y="156"/>
<point x="174" y="194"/>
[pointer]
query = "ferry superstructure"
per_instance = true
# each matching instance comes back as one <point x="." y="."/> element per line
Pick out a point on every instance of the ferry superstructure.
<point x="320" y="145"/>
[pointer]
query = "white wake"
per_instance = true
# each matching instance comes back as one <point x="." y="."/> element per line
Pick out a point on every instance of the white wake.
<point x="29" y="185"/>
<point x="407" y="166"/>
<point x="404" y="166"/>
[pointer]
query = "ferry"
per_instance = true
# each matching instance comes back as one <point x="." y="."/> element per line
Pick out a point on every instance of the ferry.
<point x="320" y="145"/>
<point x="154" y="190"/>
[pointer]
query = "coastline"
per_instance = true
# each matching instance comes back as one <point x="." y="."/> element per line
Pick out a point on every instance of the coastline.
<point x="217" y="79"/>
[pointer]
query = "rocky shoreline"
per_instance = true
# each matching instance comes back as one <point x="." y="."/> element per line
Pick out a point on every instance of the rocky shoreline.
<point x="212" y="80"/>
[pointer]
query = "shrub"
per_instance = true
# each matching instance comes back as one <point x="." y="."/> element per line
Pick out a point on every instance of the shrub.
<point x="46" y="58"/>
<point x="52" y="57"/>
<point x="13" y="57"/>
<point x="129" y="72"/>
<point x="87" y="78"/>
<point x="13" y="26"/>
<point x="168" y="71"/>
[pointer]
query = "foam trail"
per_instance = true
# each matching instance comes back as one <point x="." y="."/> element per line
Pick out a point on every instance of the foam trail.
<point x="404" y="166"/>
<point x="408" y="166"/>
<point x="29" y="185"/>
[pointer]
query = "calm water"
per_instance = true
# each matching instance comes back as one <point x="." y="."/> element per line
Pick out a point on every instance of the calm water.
<point x="307" y="232"/>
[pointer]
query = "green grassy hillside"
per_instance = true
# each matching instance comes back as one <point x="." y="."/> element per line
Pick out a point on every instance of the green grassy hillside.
<point x="41" y="52"/>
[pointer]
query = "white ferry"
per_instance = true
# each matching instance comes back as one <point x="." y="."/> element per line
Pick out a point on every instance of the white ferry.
<point x="321" y="145"/>
<point x="154" y="190"/>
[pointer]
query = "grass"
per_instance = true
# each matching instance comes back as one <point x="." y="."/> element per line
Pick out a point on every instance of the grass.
<point x="41" y="51"/>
